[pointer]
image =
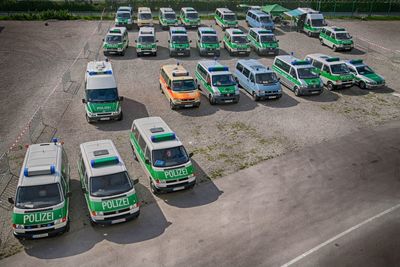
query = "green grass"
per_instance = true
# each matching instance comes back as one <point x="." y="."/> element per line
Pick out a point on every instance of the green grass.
<point x="366" y="18"/>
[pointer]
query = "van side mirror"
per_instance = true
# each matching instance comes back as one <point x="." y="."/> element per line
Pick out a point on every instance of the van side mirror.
<point x="190" y="41"/>
<point x="11" y="200"/>
<point x="83" y="101"/>
<point x="147" y="161"/>
<point x="103" y="39"/>
<point x="169" y="41"/>
<point x="69" y="194"/>
<point x="279" y="79"/>
<point x="277" y="41"/>
<point x="157" y="41"/>
<point x="220" y="41"/>
<point x="136" y="181"/>
<point x="135" y="41"/>
<point x="121" y="98"/>
<point x="191" y="154"/>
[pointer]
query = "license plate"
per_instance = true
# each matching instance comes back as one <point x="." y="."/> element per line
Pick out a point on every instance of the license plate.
<point x="188" y="106"/>
<point x="228" y="101"/>
<point x="272" y="96"/>
<point x="105" y="119"/>
<point x="314" y="92"/>
<point x="118" y="221"/>
<point x="271" y="52"/>
<point x="178" y="188"/>
<point x="40" y="235"/>
<point x="180" y="54"/>
<point x="210" y="54"/>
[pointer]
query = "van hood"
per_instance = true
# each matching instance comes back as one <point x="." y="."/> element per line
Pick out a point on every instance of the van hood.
<point x="94" y="107"/>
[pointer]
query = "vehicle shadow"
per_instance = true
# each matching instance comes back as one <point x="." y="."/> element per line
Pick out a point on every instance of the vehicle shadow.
<point x="245" y="104"/>
<point x="162" y="53"/>
<point x="130" y="53"/>
<point x="286" y="101"/>
<point x="354" y="51"/>
<point x="150" y="224"/>
<point x="352" y="91"/>
<point x="205" y="109"/>
<point x="326" y="96"/>
<point x="205" y="192"/>
<point x="131" y="109"/>
<point x="278" y="32"/>
<point x="382" y="90"/>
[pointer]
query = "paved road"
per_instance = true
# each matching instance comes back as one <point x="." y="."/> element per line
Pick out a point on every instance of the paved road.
<point x="266" y="215"/>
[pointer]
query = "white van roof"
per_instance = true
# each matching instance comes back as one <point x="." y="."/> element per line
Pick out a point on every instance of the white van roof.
<point x="167" y="10"/>
<point x="294" y="62"/>
<point x="100" y="75"/>
<point x="151" y="128"/>
<point x="42" y="164"/>
<point x="214" y="67"/>
<point x="101" y="158"/>
<point x="328" y="60"/>
<point x="225" y="11"/>
<point x="146" y="31"/>
<point x="231" y="31"/>
<point x="144" y="10"/>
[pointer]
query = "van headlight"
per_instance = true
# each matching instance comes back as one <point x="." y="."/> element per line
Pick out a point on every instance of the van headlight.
<point x="217" y="92"/>
<point x="18" y="226"/>
<point x="116" y="20"/>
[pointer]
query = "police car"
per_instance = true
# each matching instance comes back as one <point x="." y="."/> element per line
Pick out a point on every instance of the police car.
<point x="42" y="198"/>
<point x="102" y="101"/>
<point x="109" y="190"/>
<point x="364" y="76"/>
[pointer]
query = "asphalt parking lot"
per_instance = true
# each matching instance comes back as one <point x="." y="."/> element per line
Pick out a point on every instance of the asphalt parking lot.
<point x="227" y="140"/>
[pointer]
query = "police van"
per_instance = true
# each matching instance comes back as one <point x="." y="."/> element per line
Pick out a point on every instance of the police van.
<point x="364" y="76"/>
<point x="216" y="82"/>
<point x="43" y="193"/>
<point x="116" y="41"/>
<point x="297" y="75"/>
<point x="108" y="189"/>
<point x="236" y="43"/>
<point x="225" y="18"/>
<point x="179" y="44"/>
<point x="178" y="87"/>
<point x="189" y="17"/>
<point x="207" y="42"/>
<point x="263" y="41"/>
<point x="259" y="19"/>
<point x="146" y="43"/>
<point x="125" y="9"/>
<point x="258" y="80"/>
<point x="336" y="38"/>
<point x="310" y="21"/>
<point x="144" y="17"/>
<point x="123" y="18"/>
<point x="167" y="18"/>
<point x="333" y="72"/>
<point x="162" y="155"/>
<point x="102" y="101"/>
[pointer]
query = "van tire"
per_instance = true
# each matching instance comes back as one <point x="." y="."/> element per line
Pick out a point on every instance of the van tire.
<point x="153" y="189"/>
<point x="88" y="119"/>
<point x="362" y="85"/>
<point x="296" y="91"/>
<point x="329" y="86"/>
<point x="171" y="105"/>
<point x="334" y="48"/>
<point x="309" y="34"/>
<point x="138" y="54"/>
<point x="122" y="53"/>
<point x="134" y="154"/>
<point x="210" y="98"/>
<point x="255" y="97"/>
<point x="155" y="54"/>
<point x="120" y="117"/>
<point x="67" y="227"/>
<point x="321" y="41"/>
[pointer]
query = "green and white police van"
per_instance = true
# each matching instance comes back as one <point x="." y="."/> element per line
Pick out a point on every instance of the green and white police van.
<point x="116" y="41"/>
<point x="189" y="17"/>
<point x="334" y="72"/>
<point x="102" y="101"/>
<point x="162" y="155"/>
<point x="263" y="41"/>
<point x="43" y="193"/>
<point x="179" y="43"/>
<point x="336" y="38"/>
<point x="297" y="75"/>
<point x="364" y="76"/>
<point x="216" y="82"/>
<point x="225" y="18"/>
<point x="123" y="18"/>
<point x="146" y="43"/>
<point x="167" y="18"/>
<point x="207" y="42"/>
<point x="236" y="43"/>
<point x="108" y="189"/>
<point x="308" y="20"/>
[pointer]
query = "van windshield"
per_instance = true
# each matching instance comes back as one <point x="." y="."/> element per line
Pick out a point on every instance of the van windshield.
<point x="183" y="85"/>
<point x="239" y="39"/>
<point x="192" y="15"/>
<point x="343" y="36"/>
<point x="170" y="16"/>
<point x="112" y="39"/>
<point x="266" y="78"/>
<point x="146" y="39"/>
<point x="169" y="157"/>
<point x="267" y="38"/>
<point x="306" y="73"/>
<point x="223" y="80"/>
<point x="230" y="17"/>
<point x="180" y="39"/>
<point x="145" y="16"/>
<point x="102" y="95"/>
<point x="317" y="23"/>
<point x="38" y="196"/>
<point x="124" y="15"/>
<point x="109" y="185"/>
<point x="209" y="39"/>
<point x="265" y="19"/>
<point x="339" y="69"/>
<point x="363" y="70"/>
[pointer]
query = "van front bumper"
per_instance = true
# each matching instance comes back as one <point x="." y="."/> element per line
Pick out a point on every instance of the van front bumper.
<point x="176" y="187"/>
<point x="183" y="52"/>
<point x="41" y="233"/>
<point x="265" y="95"/>
<point x="210" y="52"/>
<point x="104" y="116"/>
<point x="311" y="91"/>
<point x="132" y="214"/>
<point x="187" y="104"/>
<point x="226" y="98"/>
<point x="269" y="51"/>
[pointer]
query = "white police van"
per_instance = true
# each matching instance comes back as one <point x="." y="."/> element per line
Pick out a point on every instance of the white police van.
<point x="42" y="197"/>
<point x="146" y="43"/>
<point x="108" y="189"/>
<point x="102" y="101"/>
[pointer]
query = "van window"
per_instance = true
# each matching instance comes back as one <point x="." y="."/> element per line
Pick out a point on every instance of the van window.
<point x="293" y="73"/>
<point x="239" y="67"/>
<point x="142" y="143"/>
<point x="63" y="185"/>
<point x="326" y="69"/>
<point x="147" y="154"/>
<point x="282" y="65"/>
<point x="64" y="165"/>
<point x="246" y="72"/>
<point x="317" y="64"/>
<point x="252" y="78"/>
<point x="201" y="71"/>
<point x="135" y="132"/>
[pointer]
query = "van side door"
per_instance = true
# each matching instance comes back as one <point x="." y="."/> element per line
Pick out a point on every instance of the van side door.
<point x="246" y="80"/>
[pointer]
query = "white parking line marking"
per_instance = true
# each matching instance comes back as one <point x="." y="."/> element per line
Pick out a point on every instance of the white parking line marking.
<point x="340" y="235"/>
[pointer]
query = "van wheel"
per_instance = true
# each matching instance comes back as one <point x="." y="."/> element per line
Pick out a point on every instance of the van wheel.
<point x="162" y="92"/>
<point x="362" y="85"/>
<point x="309" y="34"/>
<point x="88" y="119"/>
<point x="133" y="152"/>
<point x="155" y="54"/>
<point x="321" y="41"/>
<point x="171" y="105"/>
<point x="334" y="48"/>
<point x="153" y="189"/>
<point x="120" y="117"/>
<point x="329" y="86"/>
<point x="255" y="97"/>
<point x="210" y="98"/>
<point x="296" y="91"/>
<point x="67" y="227"/>
<point x="138" y="54"/>
<point x="123" y="53"/>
